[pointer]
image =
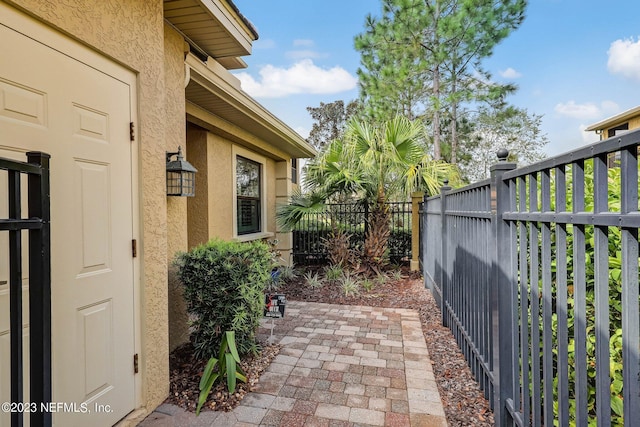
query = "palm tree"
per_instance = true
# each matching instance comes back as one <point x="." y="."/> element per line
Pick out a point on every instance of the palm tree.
<point x="374" y="164"/>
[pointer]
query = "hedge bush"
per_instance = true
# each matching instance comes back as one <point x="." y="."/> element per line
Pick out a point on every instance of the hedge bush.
<point x="224" y="286"/>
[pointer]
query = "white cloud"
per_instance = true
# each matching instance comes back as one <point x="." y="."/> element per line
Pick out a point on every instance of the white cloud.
<point x="578" y="111"/>
<point x="624" y="58"/>
<point x="585" y="111"/>
<point x="303" y="43"/>
<point x="510" y="73"/>
<point x="302" y="77"/>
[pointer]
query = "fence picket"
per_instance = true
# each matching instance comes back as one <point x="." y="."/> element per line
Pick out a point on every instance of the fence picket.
<point x="564" y="306"/>
<point x="630" y="292"/>
<point x="561" y="300"/>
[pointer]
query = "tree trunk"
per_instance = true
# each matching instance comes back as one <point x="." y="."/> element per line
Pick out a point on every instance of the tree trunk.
<point x="436" y="114"/>
<point x="437" y="155"/>
<point x="454" y="124"/>
<point x="377" y="238"/>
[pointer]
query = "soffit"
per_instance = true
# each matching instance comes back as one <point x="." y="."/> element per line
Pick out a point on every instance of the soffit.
<point x="232" y="63"/>
<point x="220" y="94"/>
<point x="214" y="25"/>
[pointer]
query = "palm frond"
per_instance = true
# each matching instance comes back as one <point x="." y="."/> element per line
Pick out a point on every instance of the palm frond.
<point x="299" y="206"/>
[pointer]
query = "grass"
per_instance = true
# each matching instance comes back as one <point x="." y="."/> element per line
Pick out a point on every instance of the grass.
<point x="367" y="284"/>
<point x="312" y="280"/>
<point x="333" y="272"/>
<point x="349" y="285"/>
<point x="381" y="279"/>
<point x="396" y="274"/>
<point x="287" y="273"/>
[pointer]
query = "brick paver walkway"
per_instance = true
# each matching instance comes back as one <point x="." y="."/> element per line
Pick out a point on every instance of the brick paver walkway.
<point x="339" y="366"/>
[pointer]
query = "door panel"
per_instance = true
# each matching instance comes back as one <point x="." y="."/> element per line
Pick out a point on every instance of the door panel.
<point x="51" y="102"/>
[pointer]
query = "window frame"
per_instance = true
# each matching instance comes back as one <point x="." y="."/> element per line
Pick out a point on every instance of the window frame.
<point x="256" y="202"/>
<point x="239" y="151"/>
<point x="294" y="170"/>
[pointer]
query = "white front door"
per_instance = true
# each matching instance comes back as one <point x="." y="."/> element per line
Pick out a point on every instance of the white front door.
<point x="53" y="102"/>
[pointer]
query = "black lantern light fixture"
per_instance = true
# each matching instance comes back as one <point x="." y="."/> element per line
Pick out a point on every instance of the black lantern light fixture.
<point x="181" y="176"/>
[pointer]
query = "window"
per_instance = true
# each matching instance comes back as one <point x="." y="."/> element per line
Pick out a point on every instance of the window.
<point x="618" y="130"/>
<point x="248" y="191"/>
<point x="294" y="171"/>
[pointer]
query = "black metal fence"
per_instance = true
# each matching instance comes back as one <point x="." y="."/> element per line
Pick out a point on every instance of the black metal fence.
<point x="536" y="274"/>
<point x="37" y="223"/>
<point x="310" y="234"/>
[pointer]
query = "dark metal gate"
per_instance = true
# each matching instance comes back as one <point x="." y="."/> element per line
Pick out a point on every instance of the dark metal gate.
<point x="314" y="229"/>
<point x="39" y="241"/>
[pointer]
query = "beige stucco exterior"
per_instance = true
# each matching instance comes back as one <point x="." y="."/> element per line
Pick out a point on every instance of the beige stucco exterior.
<point x="132" y="33"/>
<point x="177" y="220"/>
<point x="173" y="108"/>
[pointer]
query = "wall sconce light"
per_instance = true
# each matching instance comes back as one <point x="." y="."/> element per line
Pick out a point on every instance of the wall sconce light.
<point x="181" y="175"/>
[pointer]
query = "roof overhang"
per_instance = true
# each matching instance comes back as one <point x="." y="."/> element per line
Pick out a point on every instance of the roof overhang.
<point x="216" y="101"/>
<point x="615" y="120"/>
<point x="214" y="26"/>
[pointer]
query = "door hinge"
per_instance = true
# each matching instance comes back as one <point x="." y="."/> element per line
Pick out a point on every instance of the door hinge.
<point x="134" y="248"/>
<point x="135" y="363"/>
<point x="132" y="133"/>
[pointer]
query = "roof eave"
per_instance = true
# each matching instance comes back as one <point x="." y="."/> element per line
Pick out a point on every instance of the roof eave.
<point x="614" y="120"/>
<point x="215" y="26"/>
<point x="242" y="110"/>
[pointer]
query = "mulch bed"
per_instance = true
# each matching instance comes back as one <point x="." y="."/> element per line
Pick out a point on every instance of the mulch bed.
<point x="186" y="370"/>
<point x="464" y="402"/>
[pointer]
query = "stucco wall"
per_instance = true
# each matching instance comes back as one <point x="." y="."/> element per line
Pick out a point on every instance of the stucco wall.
<point x="132" y="33"/>
<point x="177" y="237"/>
<point x="211" y="211"/>
<point x="270" y="173"/>
<point x="221" y="187"/>
<point x="197" y="207"/>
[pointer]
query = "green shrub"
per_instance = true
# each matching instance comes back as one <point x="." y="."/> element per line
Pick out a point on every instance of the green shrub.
<point x="224" y="286"/>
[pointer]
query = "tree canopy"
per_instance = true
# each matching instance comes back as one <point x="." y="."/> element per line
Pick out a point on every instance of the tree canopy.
<point x="493" y="129"/>
<point x="330" y="120"/>
<point x="422" y="59"/>
<point x="372" y="163"/>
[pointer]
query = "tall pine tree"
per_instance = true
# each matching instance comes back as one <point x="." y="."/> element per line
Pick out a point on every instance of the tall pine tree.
<point x="422" y="59"/>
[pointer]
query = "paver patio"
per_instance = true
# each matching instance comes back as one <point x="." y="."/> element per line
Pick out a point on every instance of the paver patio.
<point x="338" y="366"/>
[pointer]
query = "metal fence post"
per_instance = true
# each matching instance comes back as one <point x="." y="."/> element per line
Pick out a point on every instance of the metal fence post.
<point x="502" y="291"/>
<point x="444" y="279"/>
<point x="366" y="219"/>
<point x="40" y="290"/>
<point x="424" y="230"/>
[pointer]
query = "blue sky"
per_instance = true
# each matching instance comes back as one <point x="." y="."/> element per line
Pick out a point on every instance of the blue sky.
<point x="575" y="62"/>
